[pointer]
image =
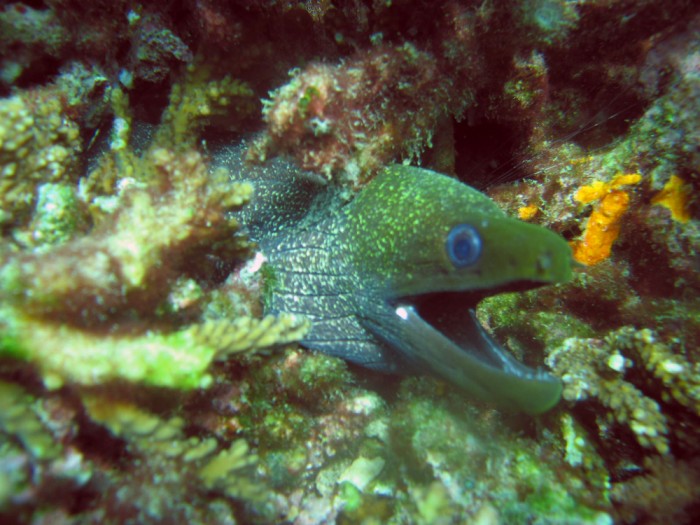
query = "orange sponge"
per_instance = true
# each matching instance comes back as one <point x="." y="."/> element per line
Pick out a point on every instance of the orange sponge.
<point x="675" y="197"/>
<point x="603" y="225"/>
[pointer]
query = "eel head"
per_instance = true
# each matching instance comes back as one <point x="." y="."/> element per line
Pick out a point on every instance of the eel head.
<point x="431" y="248"/>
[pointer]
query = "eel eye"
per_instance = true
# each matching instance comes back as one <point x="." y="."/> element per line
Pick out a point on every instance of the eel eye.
<point x="463" y="245"/>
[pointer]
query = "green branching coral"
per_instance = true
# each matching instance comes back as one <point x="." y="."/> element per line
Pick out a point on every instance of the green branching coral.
<point x="38" y="143"/>
<point x="149" y="435"/>
<point x="178" y="359"/>
<point x="198" y="100"/>
<point x="594" y="368"/>
<point x="128" y="260"/>
<point x="19" y="419"/>
<point x="155" y="214"/>
<point x="246" y="334"/>
<point x="226" y="470"/>
<point x="679" y="377"/>
<point x="222" y="471"/>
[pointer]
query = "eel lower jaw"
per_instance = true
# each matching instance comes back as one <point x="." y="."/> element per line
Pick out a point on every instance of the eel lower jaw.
<point x="442" y="333"/>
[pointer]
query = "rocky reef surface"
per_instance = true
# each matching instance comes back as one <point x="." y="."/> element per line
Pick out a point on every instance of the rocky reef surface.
<point x="140" y="381"/>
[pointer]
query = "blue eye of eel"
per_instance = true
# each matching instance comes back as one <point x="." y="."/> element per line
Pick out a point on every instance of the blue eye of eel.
<point x="463" y="245"/>
<point x="399" y="295"/>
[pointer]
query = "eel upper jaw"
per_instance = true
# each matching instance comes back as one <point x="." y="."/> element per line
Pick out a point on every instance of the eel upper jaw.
<point x="440" y="332"/>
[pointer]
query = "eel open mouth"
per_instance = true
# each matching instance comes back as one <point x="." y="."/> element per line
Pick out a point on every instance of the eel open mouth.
<point x="440" y="332"/>
<point x="453" y="315"/>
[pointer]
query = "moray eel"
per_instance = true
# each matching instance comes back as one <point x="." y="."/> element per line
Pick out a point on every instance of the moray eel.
<point x="391" y="279"/>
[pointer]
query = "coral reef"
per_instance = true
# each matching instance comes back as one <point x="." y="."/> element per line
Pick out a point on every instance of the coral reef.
<point x="591" y="368"/>
<point x="101" y="292"/>
<point x="177" y="359"/>
<point x="321" y="120"/>
<point x="38" y="144"/>
<point x="149" y="437"/>
<point x="667" y="490"/>
<point x="197" y="100"/>
<point x="140" y="381"/>
<point x="152" y="228"/>
<point x="472" y="447"/>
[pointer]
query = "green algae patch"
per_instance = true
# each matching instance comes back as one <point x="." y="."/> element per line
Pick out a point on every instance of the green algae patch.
<point x="10" y="346"/>
<point x="20" y="418"/>
<point x="66" y="354"/>
<point x="547" y="499"/>
<point x="479" y="462"/>
<point x="527" y="317"/>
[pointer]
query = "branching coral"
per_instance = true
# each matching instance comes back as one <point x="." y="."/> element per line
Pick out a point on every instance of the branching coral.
<point x="600" y="369"/>
<point x="101" y="302"/>
<point x="227" y="470"/>
<point x="178" y="359"/>
<point x="79" y="310"/>
<point x="679" y="376"/>
<point x="197" y="99"/>
<point x="245" y="334"/>
<point x="19" y="419"/>
<point x="38" y="143"/>
<point x="181" y="210"/>
<point x="591" y="369"/>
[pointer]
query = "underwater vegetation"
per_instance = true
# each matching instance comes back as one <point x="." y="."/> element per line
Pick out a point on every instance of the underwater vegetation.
<point x="150" y="150"/>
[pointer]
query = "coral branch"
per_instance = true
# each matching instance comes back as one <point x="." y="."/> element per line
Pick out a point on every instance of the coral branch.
<point x="130" y="261"/>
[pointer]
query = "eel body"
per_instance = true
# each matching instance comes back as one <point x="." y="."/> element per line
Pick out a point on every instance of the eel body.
<point x="390" y="280"/>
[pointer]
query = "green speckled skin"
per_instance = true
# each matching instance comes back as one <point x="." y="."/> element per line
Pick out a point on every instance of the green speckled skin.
<point x="357" y="271"/>
<point x="400" y="222"/>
